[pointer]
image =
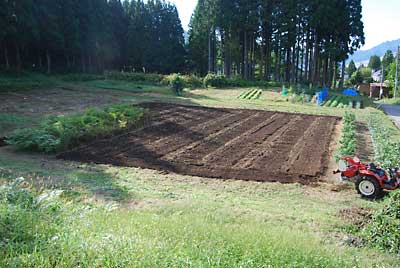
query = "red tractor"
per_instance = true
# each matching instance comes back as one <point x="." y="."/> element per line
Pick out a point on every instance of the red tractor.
<point x="369" y="179"/>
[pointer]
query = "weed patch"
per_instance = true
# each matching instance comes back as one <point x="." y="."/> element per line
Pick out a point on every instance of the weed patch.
<point x="61" y="132"/>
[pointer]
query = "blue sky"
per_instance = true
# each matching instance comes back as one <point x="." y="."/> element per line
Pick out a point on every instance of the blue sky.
<point x="381" y="19"/>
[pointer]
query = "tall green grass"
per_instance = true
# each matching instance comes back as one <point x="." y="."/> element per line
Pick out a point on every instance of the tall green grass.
<point x="40" y="231"/>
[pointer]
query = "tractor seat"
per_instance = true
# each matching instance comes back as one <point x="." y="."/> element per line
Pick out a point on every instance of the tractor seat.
<point x="380" y="172"/>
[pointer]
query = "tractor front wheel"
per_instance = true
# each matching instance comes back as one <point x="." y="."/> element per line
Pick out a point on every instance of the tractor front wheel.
<point x="368" y="187"/>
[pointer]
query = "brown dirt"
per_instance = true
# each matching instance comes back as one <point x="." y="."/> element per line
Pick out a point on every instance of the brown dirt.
<point x="357" y="216"/>
<point x="365" y="148"/>
<point x="220" y="143"/>
<point x="53" y="101"/>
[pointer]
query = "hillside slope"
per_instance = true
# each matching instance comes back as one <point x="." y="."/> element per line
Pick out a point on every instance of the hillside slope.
<point x="380" y="50"/>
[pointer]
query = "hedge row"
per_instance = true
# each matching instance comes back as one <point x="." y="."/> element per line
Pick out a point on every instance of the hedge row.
<point x="190" y="81"/>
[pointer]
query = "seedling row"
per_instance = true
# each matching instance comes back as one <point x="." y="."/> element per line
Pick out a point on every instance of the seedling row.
<point x="252" y="94"/>
<point x="343" y="102"/>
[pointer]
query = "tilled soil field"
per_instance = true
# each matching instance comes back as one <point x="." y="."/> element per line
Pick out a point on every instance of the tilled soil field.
<point x="220" y="143"/>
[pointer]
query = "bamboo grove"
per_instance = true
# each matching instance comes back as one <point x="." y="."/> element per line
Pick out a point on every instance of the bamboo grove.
<point x="90" y="35"/>
<point x="281" y="40"/>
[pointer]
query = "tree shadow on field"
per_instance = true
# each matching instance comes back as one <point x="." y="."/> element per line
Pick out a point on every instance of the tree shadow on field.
<point x="45" y="172"/>
<point x="140" y="153"/>
<point x="98" y="182"/>
<point x="191" y="95"/>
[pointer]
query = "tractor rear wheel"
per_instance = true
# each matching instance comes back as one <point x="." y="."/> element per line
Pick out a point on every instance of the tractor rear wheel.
<point x="368" y="187"/>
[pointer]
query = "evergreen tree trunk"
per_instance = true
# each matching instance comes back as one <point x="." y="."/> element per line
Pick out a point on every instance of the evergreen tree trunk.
<point x="17" y="57"/>
<point x="83" y="62"/>
<point x="209" y="52"/>
<point x="245" y="57"/>
<point x="40" y="61"/>
<point x="67" y="61"/>
<point x="316" y="61"/>
<point x="287" y="65"/>
<point x="325" y="73"/>
<point x="341" y="84"/>
<point x="48" y="59"/>
<point x="334" y="75"/>
<point x="296" y="75"/>
<point x="7" y="61"/>
<point x="276" y="73"/>
<point x="253" y="56"/>
<point x="306" y="64"/>
<point x="268" y="60"/>
<point x="224" y="53"/>
<point x="301" y="64"/>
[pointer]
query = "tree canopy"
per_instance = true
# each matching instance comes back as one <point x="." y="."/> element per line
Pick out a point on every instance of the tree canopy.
<point x="288" y="40"/>
<point x="91" y="35"/>
<point x="351" y="68"/>
<point x="375" y="62"/>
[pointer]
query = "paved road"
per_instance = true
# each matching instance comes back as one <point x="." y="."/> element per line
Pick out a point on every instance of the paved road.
<point x="393" y="111"/>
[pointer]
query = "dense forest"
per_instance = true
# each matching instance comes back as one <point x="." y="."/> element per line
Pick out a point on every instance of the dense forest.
<point x="91" y="35"/>
<point x="282" y="40"/>
<point x="289" y="40"/>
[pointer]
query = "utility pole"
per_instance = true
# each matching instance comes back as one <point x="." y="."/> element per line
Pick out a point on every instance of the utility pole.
<point x="397" y="72"/>
<point x="381" y="90"/>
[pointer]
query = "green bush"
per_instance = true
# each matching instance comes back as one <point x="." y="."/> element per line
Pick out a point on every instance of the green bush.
<point x="61" y="132"/>
<point x="134" y="77"/>
<point x="213" y="80"/>
<point x="348" y="141"/>
<point x="240" y="82"/>
<point x="384" y="229"/>
<point x="177" y="84"/>
<point x="188" y="81"/>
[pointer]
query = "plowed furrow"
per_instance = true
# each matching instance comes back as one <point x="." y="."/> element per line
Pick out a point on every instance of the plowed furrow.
<point x="272" y="135"/>
<point x="315" y="151"/>
<point x="241" y="144"/>
<point x="283" y="146"/>
<point x="192" y="153"/>
<point x="178" y="146"/>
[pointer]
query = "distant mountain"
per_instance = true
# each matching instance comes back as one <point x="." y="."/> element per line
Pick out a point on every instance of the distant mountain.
<point x="362" y="56"/>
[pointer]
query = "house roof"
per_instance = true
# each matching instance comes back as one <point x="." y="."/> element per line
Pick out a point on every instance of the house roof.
<point x="378" y="85"/>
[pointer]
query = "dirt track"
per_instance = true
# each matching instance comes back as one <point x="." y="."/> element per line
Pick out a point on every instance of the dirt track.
<point x="220" y="143"/>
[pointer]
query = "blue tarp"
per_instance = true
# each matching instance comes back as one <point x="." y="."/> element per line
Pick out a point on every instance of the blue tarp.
<point x="350" y="92"/>
<point x="322" y="96"/>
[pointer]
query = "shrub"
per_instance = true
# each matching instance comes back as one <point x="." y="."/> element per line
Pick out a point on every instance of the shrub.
<point x="177" y="84"/>
<point x="192" y="81"/>
<point x="384" y="230"/>
<point x="213" y="80"/>
<point x="188" y="81"/>
<point x="238" y="81"/>
<point x="61" y="132"/>
<point x="134" y="77"/>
